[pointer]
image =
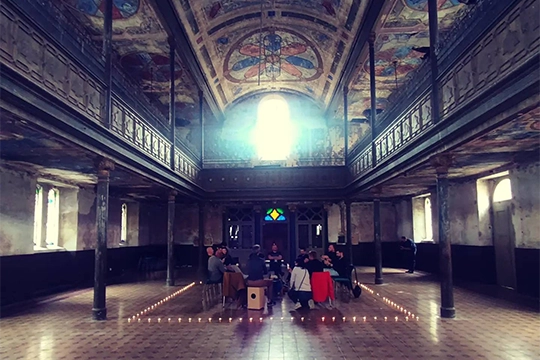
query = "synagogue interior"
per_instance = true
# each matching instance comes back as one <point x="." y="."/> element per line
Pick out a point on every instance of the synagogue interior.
<point x="269" y="179"/>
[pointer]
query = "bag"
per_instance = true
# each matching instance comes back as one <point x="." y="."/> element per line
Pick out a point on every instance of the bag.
<point x="357" y="290"/>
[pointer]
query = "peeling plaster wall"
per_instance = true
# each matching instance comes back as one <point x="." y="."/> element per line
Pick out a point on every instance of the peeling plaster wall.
<point x="525" y="180"/>
<point x="362" y="222"/>
<point x="114" y="227"/>
<point x="463" y="214"/>
<point x="152" y="223"/>
<point x="186" y="228"/>
<point x="418" y="219"/>
<point x="213" y="225"/>
<point x="17" y="198"/>
<point x="133" y="224"/>
<point x="69" y="218"/>
<point x="87" y="232"/>
<point x="485" y="231"/>
<point x="334" y="223"/>
<point x="404" y="218"/>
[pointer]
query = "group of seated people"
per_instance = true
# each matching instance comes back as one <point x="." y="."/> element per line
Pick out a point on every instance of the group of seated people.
<point x="306" y="268"/>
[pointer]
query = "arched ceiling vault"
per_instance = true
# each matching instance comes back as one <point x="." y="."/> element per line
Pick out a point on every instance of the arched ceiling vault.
<point x="299" y="45"/>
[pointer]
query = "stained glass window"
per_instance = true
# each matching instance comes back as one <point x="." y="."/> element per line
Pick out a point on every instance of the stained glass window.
<point x="275" y="214"/>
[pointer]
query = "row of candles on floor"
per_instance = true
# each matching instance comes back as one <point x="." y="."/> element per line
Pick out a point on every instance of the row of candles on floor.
<point x="391" y="303"/>
<point x="170" y="297"/>
<point x="251" y="320"/>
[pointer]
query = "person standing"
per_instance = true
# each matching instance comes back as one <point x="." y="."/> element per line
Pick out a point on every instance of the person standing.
<point x="409" y="247"/>
<point x="275" y="258"/>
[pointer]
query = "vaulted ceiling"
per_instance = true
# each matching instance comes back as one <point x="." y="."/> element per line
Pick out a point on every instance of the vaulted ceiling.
<point x="245" y="47"/>
<point x="296" y="46"/>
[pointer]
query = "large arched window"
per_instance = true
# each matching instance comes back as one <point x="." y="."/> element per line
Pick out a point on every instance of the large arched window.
<point x="273" y="136"/>
<point x="503" y="191"/>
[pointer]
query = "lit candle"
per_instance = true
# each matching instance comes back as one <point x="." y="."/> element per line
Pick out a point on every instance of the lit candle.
<point x="322" y="318"/>
<point x="385" y="318"/>
<point x="302" y="318"/>
<point x="240" y="319"/>
<point x="260" y="319"/>
<point x="219" y="319"/>
<point x="354" y="318"/>
<point x="333" y="318"/>
<point x="230" y="319"/>
<point x="343" y="318"/>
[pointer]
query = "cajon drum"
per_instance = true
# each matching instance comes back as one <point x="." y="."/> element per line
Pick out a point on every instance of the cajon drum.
<point x="256" y="298"/>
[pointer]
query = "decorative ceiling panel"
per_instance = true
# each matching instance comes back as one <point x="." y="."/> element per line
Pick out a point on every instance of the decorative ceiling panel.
<point x="296" y="46"/>
<point x="142" y="50"/>
<point x="404" y="28"/>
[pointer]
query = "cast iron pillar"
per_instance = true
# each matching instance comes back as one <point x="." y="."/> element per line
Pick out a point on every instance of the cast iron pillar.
<point x="373" y="96"/>
<point x="442" y="164"/>
<point x="293" y="243"/>
<point x="171" y="204"/>
<point x="348" y="228"/>
<point x="99" y="310"/>
<point x="202" y="263"/>
<point x="433" y="43"/>
<point x="172" y="100"/>
<point x="201" y="118"/>
<point x="377" y="235"/>
<point x="346" y="123"/>
<point x="107" y="52"/>
<point x="326" y="209"/>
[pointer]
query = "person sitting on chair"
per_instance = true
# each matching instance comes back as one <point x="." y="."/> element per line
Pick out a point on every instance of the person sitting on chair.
<point x="256" y="269"/>
<point x="216" y="269"/>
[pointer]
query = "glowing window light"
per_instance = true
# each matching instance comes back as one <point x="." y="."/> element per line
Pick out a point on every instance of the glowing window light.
<point x="275" y="214"/>
<point x="274" y="134"/>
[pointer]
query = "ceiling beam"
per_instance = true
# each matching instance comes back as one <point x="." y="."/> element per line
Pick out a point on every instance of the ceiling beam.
<point x="371" y="16"/>
<point x="166" y="11"/>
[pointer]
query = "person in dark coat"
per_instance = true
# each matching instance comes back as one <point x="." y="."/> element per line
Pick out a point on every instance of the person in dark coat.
<point x="409" y="247"/>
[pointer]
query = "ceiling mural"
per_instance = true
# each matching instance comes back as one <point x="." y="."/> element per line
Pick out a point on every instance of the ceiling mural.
<point x="402" y="31"/>
<point x="142" y="51"/>
<point x="295" y="46"/>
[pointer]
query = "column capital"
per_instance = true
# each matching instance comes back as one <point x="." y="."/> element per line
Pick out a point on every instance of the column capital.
<point x="372" y="38"/>
<point x="257" y="208"/>
<point x="376" y="191"/>
<point x="104" y="165"/>
<point x="292" y="207"/>
<point x="441" y="163"/>
<point x="172" y="195"/>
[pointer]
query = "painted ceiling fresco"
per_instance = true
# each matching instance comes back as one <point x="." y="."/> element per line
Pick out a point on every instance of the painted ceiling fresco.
<point x="403" y="28"/>
<point x="296" y="46"/>
<point x="142" y="51"/>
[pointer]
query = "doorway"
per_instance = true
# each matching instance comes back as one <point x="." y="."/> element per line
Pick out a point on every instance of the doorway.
<point x="311" y="232"/>
<point x="277" y="233"/>
<point x="503" y="234"/>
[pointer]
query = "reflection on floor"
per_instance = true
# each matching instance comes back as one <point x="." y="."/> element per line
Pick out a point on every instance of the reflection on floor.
<point x="362" y="328"/>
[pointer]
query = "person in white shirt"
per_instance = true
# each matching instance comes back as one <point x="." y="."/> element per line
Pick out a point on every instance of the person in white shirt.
<point x="300" y="286"/>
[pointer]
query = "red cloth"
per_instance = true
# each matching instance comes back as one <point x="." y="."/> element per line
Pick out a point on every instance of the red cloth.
<point x="322" y="286"/>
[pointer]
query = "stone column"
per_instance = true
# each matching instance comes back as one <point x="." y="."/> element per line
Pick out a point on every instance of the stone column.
<point x="377" y="235"/>
<point x="201" y="119"/>
<point x="293" y="247"/>
<point x="105" y="166"/>
<point x="326" y="209"/>
<point x="171" y="205"/>
<point x="202" y="263"/>
<point x="442" y="163"/>
<point x="348" y="229"/>
<point x="257" y="224"/>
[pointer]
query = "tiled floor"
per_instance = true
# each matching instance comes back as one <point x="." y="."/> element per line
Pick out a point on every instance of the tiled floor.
<point x="484" y="328"/>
